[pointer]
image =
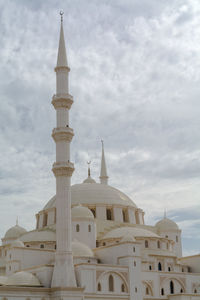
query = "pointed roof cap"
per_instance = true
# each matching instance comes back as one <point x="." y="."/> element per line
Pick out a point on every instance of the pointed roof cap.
<point x="62" y="57"/>
<point x="103" y="176"/>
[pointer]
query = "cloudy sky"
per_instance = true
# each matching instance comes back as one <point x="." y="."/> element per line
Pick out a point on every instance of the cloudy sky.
<point x="135" y="78"/>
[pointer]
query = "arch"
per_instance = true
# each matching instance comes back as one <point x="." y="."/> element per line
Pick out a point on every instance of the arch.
<point x="195" y="291"/>
<point x="147" y="288"/>
<point x="146" y="244"/>
<point x="159" y="266"/>
<point x="77" y="227"/>
<point x="150" y="268"/>
<point x="99" y="287"/>
<point x="174" y="280"/>
<point x="171" y="287"/>
<point x="119" y="275"/>
<point x="147" y="291"/>
<point x="42" y="246"/>
<point x="181" y="290"/>
<point x="111" y="283"/>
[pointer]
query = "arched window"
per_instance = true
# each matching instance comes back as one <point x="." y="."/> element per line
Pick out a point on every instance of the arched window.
<point x="77" y="227"/>
<point x="169" y="269"/>
<point x="162" y="292"/>
<point x="109" y="214"/>
<point x="181" y="291"/>
<point x="136" y="289"/>
<point x="159" y="267"/>
<point x="147" y="291"/>
<point x="89" y="228"/>
<point x="150" y="268"/>
<point x="195" y="291"/>
<point x="146" y="244"/>
<point x="134" y="263"/>
<point x="171" y="286"/>
<point x="42" y="246"/>
<point x="99" y="287"/>
<point x="177" y="238"/>
<point x="133" y="249"/>
<point x="122" y="288"/>
<point x="158" y="244"/>
<point x="111" y="283"/>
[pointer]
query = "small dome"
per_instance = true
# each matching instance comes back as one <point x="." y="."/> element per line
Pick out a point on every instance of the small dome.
<point x="89" y="180"/>
<point x="166" y="225"/>
<point x="82" y="212"/>
<point x="14" y="232"/>
<point x="128" y="238"/>
<point x="3" y="280"/>
<point x="121" y="232"/>
<point x="80" y="249"/>
<point x="39" y="236"/>
<point x="23" y="279"/>
<point x="17" y="243"/>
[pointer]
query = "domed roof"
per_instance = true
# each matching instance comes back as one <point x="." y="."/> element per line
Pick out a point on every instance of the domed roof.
<point x="17" y="243"/>
<point x="23" y="279"/>
<point x="14" y="232"/>
<point x="131" y="231"/>
<point x="96" y="193"/>
<point x="3" y="280"/>
<point x="39" y="236"/>
<point x="166" y="225"/>
<point x="81" y="212"/>
<point x="80" y="249"/>
<point x="89" y="180"/>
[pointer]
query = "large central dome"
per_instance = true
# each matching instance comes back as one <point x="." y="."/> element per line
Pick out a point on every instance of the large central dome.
<point x="95" y="193"/>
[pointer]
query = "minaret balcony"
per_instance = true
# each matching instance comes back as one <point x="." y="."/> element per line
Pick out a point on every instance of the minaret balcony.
<point x="62" y="134"/>
<point x="62" y="101"/>
<point x="63" y="169"/>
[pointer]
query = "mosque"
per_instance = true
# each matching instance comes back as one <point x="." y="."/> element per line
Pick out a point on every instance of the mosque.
<point x="90" y="240"/>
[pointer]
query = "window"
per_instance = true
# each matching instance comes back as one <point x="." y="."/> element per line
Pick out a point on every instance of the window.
<point x="162" y="292"/>
<point x="158" y="244"/>
<point x="42" y="246"/>
<point x="147" y="291"/>
<point x="171" y="286"/>
<point x="169" y="269"/>
<point x="125" y="215"/>
<point x="159" y="267"/>
<point x="122" y="288"/>
<point x="166" y="236"/>
<point x="150" y="268"/>
<point x="146" y="244"/>
<point x="45" y="217"/>
<point x="99" y="287"/>
<point x="27" y="246"/>
<point x="136" y="289"/>
<point x="93" y="211"/>
<point x="177" y="238"/>
<point x="133" y="249"/>
<point x="108" y="214"/>
<point x="134" y="263"/>
<point x="104" y="244"/>
<point x="181" y="291"/>
<point x="77" y="227"/>
<point x="195" y="291"/>
<point x="89" y="228"/>
<point x="111" y="283"/>
<point x="55" y="246"/>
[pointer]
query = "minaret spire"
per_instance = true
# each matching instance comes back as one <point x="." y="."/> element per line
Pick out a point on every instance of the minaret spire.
<point x="63" y="273"/>
<point x="103" y="176"/>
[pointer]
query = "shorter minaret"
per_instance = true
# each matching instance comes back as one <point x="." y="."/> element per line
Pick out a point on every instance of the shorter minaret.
<point x="103" y="176"/>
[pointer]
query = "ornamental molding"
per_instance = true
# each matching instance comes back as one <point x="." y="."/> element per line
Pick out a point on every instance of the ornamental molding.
<point x="63" y="169"/>
<point x="62" y="134"/>
<point x="62" y="68"/>
<point x="62" y="101"/>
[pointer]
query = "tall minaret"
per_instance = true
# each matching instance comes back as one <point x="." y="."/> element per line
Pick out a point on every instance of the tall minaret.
<point x="103" y="176"/>
<point x="63" y="274"/>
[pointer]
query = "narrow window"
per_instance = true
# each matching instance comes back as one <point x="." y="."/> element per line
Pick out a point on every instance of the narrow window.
<point x="134" y="263"/>
<point x="162" y="292"/>
<point x="159" y="267"/>
<point x="171" y="285"/>
<point x="147" y="291"/>
<point x="89" y="228"/>
<point x="158" y="244"/>
<point x="111" y="283"/>
<point x="108" y="214"/>
<point x="104" y="244"/>
<point x="177" y="238"/>
<point x="99" y="287"/>
<point x="55" y="246"/>
<point x="181" y="291"/>
<point x="166" y="236"/>
<point x="150" y="268"/>
<point x="93" y="211"/>
<point x="136" y="289"/>
<point x="45" y="217"/>
<point x="169" y="269"/>
<point x="122" y="288"/>
<point x="41" y="246"/>
<point x="77" y="227"/>
<point x="195" y="291"/>
<point x="133" y="249"/>
<point x="146" y="244"/>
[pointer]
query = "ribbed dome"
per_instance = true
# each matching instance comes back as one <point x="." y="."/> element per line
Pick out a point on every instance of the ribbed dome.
<point x="14" y="232"/>
<point x="17" y="243"/>
<point x="166" y="225"/>
<point x="80" y="249"/>
<point x="23" y="279"/>
<point x="96" y="193"/>
<point x="82" y="212"/>
<point x="130" y="231"/>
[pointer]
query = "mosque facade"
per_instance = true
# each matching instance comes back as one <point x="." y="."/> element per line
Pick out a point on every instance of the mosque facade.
<point x="90" y="240"/>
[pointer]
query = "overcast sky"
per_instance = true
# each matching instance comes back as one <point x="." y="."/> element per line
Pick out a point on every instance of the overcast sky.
<point x="135" y="78"/>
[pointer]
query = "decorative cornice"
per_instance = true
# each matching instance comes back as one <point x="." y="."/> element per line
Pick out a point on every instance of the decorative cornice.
<point x="62" y="68"/>
<point x="62" y="134"/>
<point x="63" y="169"/>
<point x="62" y="101"/>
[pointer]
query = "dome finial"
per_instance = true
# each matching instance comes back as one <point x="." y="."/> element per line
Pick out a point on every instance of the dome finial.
<point x="89" y="162"/>
<point x="89" y="178"/>
<point x="17" y="223"/>
<point x="61" y="15"/>
<point x="103" y="176"/>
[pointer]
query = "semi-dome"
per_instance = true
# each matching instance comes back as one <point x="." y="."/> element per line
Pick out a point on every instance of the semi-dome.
<point x="14" y="232"/>
<point x="121" y="232"/>
<point x="23" y="279"/>
<point x="80" y="211"/>
<point x="80" y="249"/>
<point x="17" y="243"/>
<point x="95" y="193"/>
<point x="166" y="225"/>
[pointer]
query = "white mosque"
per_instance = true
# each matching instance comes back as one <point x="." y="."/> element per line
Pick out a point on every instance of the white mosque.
<point x="90" y="240"/>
